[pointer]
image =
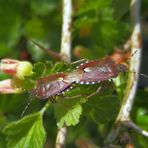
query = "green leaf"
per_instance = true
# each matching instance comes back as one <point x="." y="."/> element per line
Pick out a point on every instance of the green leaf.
<point x="44" y="5"/>
<point x="48" y="65"/>
<point x="34" y="28"/>
<point x="92" y="5"/>
<point x="82" y="52"/>
<point x="26" y="83"/>
<point x="83" y="21"/>
<point x="102" y="109"/>
<point x="43" y="69"/>
<point x="10" y="22"/>
<point x="105" y="32"/>
<point x="2" y="140"/>
<point x="142" y="118"/>
<point x="120" y="8"/>
<point x="37" y="53"/>
<point x="59" y="66"/>
<point x="27" y="132"/>
<point x="39" y="69"/>
<point x="3" y="122"/>
<point x="5" y="50"/>
<point x="141" y="100"/>
<point x="68" y="113"/>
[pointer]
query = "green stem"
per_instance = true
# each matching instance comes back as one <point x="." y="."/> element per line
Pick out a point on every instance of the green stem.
<point x="45" y="107"/>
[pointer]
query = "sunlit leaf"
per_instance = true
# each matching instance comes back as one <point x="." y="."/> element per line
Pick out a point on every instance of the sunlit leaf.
<point x="68" y="113"/>
<point x="59" y="66"/>
<point x="92" y="5"/>
<point x="27" y="132"/>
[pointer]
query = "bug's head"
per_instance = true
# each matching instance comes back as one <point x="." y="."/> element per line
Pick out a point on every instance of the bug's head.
<point x="32" y="93"/>
<point x="122" y="68"/>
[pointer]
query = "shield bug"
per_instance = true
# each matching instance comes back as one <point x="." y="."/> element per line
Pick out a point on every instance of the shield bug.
<point x="95" y="71"/>
<point x="52" y="85"/>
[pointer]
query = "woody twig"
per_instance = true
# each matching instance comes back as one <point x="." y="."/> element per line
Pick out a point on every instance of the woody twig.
<point x="123" y="118"/>
<point x="66" y="56"/>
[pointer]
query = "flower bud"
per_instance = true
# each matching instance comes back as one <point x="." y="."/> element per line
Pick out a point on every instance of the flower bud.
<point x="7" y="87"/>
<point x="16" y="68"/>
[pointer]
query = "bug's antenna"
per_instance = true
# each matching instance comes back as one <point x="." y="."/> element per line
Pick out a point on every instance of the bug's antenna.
<point x="26" y="107"/>
<point x="133" y="53"/>
<point x="146" y="76"/>
<point x="141" y="74"/>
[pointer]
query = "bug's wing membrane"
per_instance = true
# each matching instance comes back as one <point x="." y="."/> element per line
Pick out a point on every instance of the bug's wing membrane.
<point x="51" y="85"/>
<point x="56" y="88"/>
<point x="97" y="71"/>
<point x="94" y="76"/>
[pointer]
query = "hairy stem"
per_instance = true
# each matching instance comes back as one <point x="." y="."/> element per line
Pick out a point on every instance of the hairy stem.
<point x="45" y="107"/>
<point x="134" y="63"/>
<point x="66" y="56"/>
<point x="127" y="104"/>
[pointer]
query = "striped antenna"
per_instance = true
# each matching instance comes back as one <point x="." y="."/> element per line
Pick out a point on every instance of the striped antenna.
<point x="26" y="107"/>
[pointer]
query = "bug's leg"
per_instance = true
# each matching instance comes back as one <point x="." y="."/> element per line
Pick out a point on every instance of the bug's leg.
<point x="71" y="97"/>
<point x="53" y="99"/>
<point x="80" y="95"/>
<point x="79" y="61"/>
<point x="103" y="86"/>
<point x="26" y="107"/>
<point x="94" y="93"/>
<point x="97" y="91"/>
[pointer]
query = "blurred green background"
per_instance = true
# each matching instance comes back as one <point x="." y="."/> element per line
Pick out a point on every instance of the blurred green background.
<point x="99" y="27"/>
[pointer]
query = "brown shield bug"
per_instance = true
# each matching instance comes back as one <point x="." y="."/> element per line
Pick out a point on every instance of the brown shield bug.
<point x="96" y="71"/>
<point x="51" y="85"/>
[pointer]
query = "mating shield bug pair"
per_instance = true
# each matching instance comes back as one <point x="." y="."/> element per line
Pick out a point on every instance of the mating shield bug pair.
<point x="90" y="72"/>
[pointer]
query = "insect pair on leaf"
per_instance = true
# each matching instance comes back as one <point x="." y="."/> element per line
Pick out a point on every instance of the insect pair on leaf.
<point x="89" y="72"/>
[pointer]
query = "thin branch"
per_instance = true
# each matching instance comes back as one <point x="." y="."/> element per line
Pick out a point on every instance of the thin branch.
<point x="66" y="31"/>
<point x="130" y="124"/>
<point x="66" y="56"/>
<point x="134" y="63"/>
<point x="61" y="137"/>
<point x="51" y="53"/>
<point x="127" y="104"/>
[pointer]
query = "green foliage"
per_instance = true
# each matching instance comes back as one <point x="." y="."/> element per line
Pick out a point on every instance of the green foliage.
<point x="10" y="22"/>
<point x="99" y="26"/>
<point x="67" y="113"/>
<point x="105" y="30"/>
<point x="34" y="27"/>
<point x="102" y="109"/>
<point x="92" y="5"/>
<point x="120" y="8"/>
<point x="59" y="67"/>
<point x="45" y="6"/>
<point x="27" y="132"/>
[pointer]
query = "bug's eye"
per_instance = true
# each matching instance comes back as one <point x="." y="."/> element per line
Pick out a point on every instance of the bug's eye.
<point x="122" y="68"/>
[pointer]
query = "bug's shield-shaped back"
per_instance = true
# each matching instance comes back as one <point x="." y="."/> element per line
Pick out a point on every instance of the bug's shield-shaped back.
<point x="98" y="70"/>
<point x="51" y="85"/>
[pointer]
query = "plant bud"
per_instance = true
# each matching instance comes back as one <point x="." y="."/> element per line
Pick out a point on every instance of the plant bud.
<point x="7" y="87"/>
<point x="16" y="68"/>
